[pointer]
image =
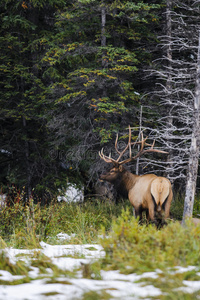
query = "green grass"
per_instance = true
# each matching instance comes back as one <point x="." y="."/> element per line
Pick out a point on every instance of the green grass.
<point x="92" y="295"/>
<point x="169" y="282"/>
<point x="130" y="247"/>
<point x="19" y="268"/>
<point x="25" y="226"/>
<point x="177" y="206"/>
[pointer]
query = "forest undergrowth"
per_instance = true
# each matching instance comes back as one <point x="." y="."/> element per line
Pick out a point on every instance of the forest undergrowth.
<point x="129" y="247"/>
<point x="84" y="221"/>
<point x="25" y="225"/>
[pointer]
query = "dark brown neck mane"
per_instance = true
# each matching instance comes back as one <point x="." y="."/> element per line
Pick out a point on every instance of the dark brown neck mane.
<point x="125" y="182"/>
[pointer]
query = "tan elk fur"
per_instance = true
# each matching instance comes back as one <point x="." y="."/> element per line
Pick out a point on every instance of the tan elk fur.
<point x="162" y="193"/>
<point x="148" y="192"/>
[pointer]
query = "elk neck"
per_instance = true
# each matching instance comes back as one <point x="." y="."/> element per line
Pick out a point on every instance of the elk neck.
<point x="126" y="181"/>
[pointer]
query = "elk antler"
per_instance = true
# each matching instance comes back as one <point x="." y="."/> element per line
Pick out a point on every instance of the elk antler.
<point x="142" y="143"/>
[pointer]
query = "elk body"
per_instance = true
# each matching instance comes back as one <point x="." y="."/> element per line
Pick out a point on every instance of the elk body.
<point x="148" y="192"/>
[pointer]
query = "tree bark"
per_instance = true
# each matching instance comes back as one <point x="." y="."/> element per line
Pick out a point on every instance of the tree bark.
<point x="194" y="149"/>
<point x="103" y="36"/>
<point x="140" y="130"/>
<point x="103" y="25"/>
<point x="169" y="82"/>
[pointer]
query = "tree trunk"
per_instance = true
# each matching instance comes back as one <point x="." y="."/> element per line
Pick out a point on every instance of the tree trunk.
<point x="103" y="36"/>
<point x="169" y="44"/>
<point x="103" y="24"/>
<point x="194" y="150"/>
<point x="140" y="130"/>
<point x="169" y="83"/>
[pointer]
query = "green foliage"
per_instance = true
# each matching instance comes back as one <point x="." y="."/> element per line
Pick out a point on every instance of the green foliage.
<point x="43" y="262"/>
<point x="196" y="208"/>
<point x="131" y="247"/>
<point x="61" y="87"/>
<point x="85" y="220"/>
<point x="176" y="210"/>
<point x="99" y="78"/>
<point x="19" y="268"/>
<point x="171" y="284"/>
<point x="23" y="226"/>
<point x="24" y="239"/>
<point x="92" y="295"/>
<point x="23" y="93"/>
<point x="2" y="243"/>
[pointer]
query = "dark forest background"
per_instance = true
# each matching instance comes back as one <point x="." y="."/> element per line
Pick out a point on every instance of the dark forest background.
<point x="75" y="73"/>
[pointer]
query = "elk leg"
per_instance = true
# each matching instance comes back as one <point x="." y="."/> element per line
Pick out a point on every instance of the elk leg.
<point x="147" y="215"/>
<point x="168" y="204"/>
<point x="138" y="213"/>
<point x="151" y="212"/>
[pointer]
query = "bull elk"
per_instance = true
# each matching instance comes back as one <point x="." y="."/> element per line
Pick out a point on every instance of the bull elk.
<point x="149" y="192"/>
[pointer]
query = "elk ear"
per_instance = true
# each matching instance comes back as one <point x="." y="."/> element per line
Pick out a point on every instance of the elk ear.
<point x="120" y="168"/>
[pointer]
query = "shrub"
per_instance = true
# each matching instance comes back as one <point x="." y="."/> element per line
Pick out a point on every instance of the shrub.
<point x="24" y="225"/>
<point x="131" y="247"/>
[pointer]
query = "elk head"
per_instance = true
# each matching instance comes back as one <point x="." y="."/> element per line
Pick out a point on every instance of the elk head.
<point x="113" y="174"/>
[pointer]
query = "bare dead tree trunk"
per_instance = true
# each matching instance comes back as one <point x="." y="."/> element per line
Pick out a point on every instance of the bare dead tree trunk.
<point x="103" y="24"/>
<point x="169" y="81"/>
<point x="169" y="44"/>
<point x="103" y="39"/>
<point x="194" y="149"/>
<point x="140" y="130"/>
<point x="103" y="34"/>
<point x="174" y="88"/>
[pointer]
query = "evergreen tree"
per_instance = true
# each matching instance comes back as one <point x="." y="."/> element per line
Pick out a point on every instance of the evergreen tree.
<point x="92" y="65"/>
<point x="24" y="144"/>
<point x="70" y="76"/>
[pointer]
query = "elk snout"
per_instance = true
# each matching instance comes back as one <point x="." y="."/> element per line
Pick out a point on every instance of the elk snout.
<point x="101" y="179"/>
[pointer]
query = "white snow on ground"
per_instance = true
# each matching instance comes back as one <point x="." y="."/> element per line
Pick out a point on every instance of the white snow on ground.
<point x="191" y="286"/>
<point x="5" y="275"/>
<point x="182" y="269"/>
<point x="119" y="286"/>
<point x="72" y="193"/>
<point x="65" y="236"/>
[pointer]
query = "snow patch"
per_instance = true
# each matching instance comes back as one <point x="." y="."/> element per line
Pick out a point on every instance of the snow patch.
<point x="71" y="194"/>
<point x="119" y="286"/>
